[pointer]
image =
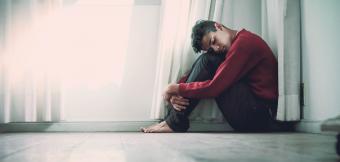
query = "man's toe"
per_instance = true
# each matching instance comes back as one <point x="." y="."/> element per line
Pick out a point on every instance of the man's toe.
<point x="142" y="129"/>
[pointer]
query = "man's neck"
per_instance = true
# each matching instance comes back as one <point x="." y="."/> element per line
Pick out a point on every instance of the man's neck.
<point x="233" y="34"/>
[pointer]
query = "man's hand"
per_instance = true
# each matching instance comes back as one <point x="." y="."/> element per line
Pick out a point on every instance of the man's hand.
<point x="171" y="90"/>
<point x="179" y="103"/>
<point x="171" y="95"/>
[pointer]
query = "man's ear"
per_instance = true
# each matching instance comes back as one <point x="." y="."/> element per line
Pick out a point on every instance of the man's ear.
<point x="218" y="26"/>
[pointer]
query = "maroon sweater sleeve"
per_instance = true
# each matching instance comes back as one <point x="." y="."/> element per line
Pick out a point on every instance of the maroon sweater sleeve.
<point x="240" y="59"/>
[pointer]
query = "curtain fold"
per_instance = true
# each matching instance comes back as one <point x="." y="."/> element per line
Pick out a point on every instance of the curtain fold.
<point x="176" y="55"/>
<point x="281" y="30"/>
<point x="25" y="94"/>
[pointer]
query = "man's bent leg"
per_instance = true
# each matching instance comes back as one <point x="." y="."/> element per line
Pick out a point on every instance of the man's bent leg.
<point x="203" y="69"/>
<point x="243" y="110"/>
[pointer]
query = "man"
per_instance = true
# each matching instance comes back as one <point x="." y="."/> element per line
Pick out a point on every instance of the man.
<point x="238" y="69"/>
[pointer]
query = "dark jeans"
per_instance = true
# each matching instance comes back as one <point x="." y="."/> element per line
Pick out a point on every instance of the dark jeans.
<point x="243" y="111"/>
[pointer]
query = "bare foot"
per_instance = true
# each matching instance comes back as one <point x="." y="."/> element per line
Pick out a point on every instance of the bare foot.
<point x="162" y="127"/>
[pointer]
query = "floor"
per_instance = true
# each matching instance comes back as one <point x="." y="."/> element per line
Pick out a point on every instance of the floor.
<point x="179" y="147"/>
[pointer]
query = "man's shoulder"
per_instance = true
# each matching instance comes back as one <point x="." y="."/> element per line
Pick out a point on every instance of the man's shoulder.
<point x="246" y="35"/>
<point x="245" y="39"/>
<point x="248" y="39"/>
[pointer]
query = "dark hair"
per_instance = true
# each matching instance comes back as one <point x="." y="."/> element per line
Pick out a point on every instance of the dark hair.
<point x="201" y="28"/>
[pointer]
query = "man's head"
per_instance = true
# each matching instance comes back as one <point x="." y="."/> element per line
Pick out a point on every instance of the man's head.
<point x="210" y="36"/>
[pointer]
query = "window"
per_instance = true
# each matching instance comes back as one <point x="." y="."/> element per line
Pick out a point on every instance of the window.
<point x="106" y="52"/>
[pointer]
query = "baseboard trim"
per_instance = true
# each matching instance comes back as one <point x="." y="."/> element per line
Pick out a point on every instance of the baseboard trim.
<point x="116" y="126"/>
<point x="308" y="126"/>
<point x="311" y="127"/>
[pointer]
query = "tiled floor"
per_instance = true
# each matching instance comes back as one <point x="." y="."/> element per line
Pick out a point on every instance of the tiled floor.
<point x="179" y="147"/>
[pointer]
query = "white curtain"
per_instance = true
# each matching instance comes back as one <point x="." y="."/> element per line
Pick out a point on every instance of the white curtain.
<point x="277" y="21"/>
<point x="175" y="52"/>
<point x="29" y="91"/>
<point x="281" y="30"/>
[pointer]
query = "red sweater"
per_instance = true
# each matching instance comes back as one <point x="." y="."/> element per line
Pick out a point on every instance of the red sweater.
<point x="250" y="59"/>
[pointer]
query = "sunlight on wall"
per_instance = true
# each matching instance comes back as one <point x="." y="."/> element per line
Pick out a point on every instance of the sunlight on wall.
<point x="83" y="45"/>
<point x="96" y="56"/>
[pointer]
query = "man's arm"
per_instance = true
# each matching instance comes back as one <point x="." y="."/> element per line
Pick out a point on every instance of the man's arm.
<point x="236" y="65"/>
<point x="178" y="102"/>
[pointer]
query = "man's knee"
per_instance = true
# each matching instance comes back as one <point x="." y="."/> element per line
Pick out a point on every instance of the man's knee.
<point x="210" y="61"/>
<point x="202" y="60"/>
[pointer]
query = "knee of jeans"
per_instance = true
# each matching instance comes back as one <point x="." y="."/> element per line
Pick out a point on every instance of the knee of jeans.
<point x="209" y="61"/>
<point x="203" y="59"/>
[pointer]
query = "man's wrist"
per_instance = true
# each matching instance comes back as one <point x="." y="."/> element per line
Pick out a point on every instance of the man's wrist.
<point x="173" y="89"/>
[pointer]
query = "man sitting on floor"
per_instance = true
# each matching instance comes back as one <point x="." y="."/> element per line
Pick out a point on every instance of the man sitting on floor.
<point x="237" y="68"/>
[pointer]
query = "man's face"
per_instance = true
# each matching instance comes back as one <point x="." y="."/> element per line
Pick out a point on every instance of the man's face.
<point x="217" y="41"/>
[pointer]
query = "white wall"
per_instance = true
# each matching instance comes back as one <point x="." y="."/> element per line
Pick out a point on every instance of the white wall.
<point x="321" y="58"/>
